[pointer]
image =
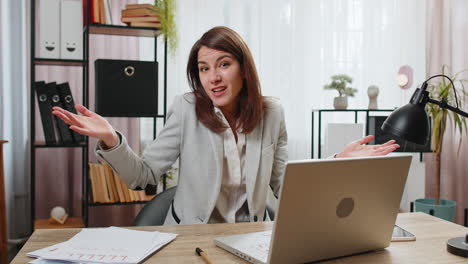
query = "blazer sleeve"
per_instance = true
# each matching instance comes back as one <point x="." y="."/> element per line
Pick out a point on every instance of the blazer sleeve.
<point x="281" y="155"/>
<point x="157" y="158"/>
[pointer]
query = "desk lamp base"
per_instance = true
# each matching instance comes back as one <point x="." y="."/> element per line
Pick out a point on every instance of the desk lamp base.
<point x="458" y="246"/>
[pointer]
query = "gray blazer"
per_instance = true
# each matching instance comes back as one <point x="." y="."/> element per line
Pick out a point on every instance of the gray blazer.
<point x="200" y="153"/>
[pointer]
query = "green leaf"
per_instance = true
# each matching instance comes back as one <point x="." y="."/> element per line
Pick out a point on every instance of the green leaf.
<point x="443" y="90"/>
<point x="167" y="9"/>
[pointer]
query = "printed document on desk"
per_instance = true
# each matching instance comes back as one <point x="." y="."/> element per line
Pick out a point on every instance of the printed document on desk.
<point x="106" y="245"/>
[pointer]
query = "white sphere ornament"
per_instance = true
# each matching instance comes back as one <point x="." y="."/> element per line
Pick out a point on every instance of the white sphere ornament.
<point x="59" y="214"/>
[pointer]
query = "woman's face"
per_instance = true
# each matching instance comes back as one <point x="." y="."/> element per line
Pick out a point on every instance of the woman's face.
<point x="221" y="76"/>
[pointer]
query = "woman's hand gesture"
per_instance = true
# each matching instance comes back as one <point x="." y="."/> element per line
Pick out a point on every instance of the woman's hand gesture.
<point x="88" y="124"/>
<point x="359" y="148"/>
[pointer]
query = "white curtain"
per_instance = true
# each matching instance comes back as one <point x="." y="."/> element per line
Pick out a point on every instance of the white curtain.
<point x="14" y="103"/>
<point x="298" y="44"/>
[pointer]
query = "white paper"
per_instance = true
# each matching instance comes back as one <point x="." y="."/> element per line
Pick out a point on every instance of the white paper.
<point x="106" y="245"/>
<point x="52" y="261"/>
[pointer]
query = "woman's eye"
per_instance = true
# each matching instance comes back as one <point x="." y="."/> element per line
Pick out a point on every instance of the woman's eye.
<point x="224" y="64"/>
<point x="203" y="69"/>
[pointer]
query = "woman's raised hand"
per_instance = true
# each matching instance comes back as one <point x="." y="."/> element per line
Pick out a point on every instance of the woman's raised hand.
<point x="359" y="148"/>
<point x="88" y="124"/>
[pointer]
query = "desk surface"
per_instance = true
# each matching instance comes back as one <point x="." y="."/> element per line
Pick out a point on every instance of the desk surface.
<point x="432" y="234"/>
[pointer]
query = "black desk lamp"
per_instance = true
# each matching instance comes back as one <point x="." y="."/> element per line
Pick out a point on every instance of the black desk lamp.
<point x="411" y="122"/>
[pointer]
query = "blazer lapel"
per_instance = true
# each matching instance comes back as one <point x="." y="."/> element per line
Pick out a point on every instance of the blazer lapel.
<point x="217" y="146"/>
<point x="252" y="159"/>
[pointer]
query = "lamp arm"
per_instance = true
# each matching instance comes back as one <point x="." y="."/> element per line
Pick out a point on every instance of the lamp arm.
<point x="443" y="104"/>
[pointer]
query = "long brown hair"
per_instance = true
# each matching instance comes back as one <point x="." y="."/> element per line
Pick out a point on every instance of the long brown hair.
<point x="250" y="97"/>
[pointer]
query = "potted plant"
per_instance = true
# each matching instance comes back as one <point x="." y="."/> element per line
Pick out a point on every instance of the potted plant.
<point x="443" y="91"/>
<point x="340" y="83"/>
<point x="167" y="9"/>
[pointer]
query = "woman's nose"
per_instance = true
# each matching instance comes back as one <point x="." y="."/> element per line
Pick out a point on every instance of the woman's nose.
<point x="215" y="76"/>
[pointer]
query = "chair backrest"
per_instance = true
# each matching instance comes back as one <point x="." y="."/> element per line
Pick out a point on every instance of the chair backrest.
<point x="155" y="211"/>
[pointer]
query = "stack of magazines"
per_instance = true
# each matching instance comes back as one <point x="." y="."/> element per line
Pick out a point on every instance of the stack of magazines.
<point x="104" y="245"/>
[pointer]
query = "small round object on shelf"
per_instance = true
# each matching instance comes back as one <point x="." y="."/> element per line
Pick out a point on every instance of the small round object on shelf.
<point x="58" y="212"/>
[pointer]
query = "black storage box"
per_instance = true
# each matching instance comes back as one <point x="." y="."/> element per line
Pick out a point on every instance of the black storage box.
<point x="126" y="88"/>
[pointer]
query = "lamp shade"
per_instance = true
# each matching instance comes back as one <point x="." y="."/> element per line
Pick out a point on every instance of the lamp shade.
<point x="409" y="122"/>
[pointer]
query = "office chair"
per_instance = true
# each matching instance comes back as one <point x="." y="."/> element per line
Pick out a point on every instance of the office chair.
<point x="271" y="213"/>
<point x="155" y="211"/>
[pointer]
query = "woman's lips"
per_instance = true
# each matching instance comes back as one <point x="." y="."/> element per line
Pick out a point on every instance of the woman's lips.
<point x="218" y="91"/>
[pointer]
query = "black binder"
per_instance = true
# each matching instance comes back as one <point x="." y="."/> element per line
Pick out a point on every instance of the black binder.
<point x="45" y="108"/>
<point x="64" y="131"/>
<point x="126" y="88"/>
<point x="69" y="104"/>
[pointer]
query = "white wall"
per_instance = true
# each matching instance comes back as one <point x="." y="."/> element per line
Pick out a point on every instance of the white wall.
<point x="298" y="44"/>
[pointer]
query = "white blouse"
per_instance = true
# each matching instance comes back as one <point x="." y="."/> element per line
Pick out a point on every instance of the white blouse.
<point x="231" y="205"/>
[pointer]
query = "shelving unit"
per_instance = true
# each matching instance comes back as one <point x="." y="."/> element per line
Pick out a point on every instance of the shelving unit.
<point x="88" y="30"/>
<point x="320" y="112"/>
<point x="123" y="30"/>
<point x="57" y="62"/>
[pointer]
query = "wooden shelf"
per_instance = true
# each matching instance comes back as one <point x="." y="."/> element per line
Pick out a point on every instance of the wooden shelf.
<point x="59" y="62"/>
<point x="149" y="197"/>
<point x="123" y="30"/>
<point x="42" y="144"/>
<point x="72" y="222"/>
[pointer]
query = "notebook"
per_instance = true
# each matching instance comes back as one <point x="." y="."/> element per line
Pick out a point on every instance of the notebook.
<point x="329" y="208"/>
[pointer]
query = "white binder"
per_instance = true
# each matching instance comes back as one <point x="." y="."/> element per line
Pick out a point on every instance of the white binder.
<point x="71" y="31"/>
<point x="49" y="24"/>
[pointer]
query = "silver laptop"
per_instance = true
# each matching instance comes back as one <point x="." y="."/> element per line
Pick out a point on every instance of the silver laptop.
<point x="329" y="208"/>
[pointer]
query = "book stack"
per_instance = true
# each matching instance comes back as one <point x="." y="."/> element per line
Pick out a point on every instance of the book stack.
<point x="107" y="187"/>
<point x="141" y="15"/>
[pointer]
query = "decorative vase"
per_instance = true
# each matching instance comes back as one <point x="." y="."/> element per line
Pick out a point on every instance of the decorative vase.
<point x="444" y="210"/>
<point x="340" y="102"/>
<point x="373" y="92"/>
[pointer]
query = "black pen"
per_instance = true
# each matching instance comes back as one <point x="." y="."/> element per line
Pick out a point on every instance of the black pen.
<point x="204" y="256"/>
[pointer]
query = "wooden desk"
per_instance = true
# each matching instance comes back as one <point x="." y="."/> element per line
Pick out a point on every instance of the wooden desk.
<point x="432" y="234"/>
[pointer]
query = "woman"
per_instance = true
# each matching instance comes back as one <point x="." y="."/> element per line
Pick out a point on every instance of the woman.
<point x="231" y="141"/>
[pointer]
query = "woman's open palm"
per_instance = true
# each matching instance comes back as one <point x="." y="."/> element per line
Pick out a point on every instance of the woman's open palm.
<point x="359" y="148"/>
<point x="88" y="124"/>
